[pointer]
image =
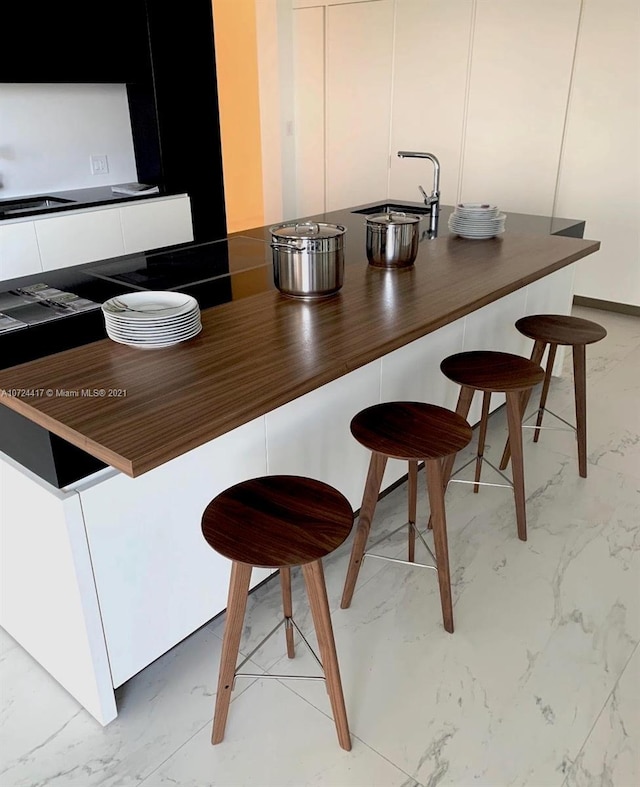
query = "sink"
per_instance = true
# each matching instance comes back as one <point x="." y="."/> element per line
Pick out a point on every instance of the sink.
<point x="394" y="207"/>
<point x="14" y="206"/>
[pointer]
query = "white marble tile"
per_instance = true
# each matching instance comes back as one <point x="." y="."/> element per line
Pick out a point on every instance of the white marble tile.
<point x="610" y="756"/>
<point x="276" y="739"/>
<point x="543" y="630"/>
<point x="7" y="642"/>
<point x="49" y="741"/>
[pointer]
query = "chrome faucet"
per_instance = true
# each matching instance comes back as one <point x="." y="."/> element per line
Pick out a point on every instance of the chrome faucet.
<point x="432" y="201"/>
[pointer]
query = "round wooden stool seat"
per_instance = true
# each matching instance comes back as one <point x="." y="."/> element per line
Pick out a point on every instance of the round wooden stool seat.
<point x="277" y="521"/>
<point x="486" y="370"/>
<point x="411" y="430"/>
<point x="560" y="329"/>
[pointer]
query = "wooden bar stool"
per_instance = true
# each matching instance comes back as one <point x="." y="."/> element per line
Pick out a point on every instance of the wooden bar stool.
<point x="494" y="372"/>
<point x="552" y="330"/>
<point x="415" y="432"/>
<point x="278" y="522"/>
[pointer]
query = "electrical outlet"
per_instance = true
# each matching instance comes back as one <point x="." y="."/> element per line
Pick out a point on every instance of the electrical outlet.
<point x="99" y="165"/>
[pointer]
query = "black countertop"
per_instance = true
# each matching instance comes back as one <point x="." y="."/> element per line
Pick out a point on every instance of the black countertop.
<point x="78" y="199"/>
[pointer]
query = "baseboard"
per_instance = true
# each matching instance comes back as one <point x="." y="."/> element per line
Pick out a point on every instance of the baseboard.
<point x="609" y="306"/>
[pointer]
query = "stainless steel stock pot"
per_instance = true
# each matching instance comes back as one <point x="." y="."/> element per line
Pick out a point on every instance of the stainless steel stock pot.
<point x="308" y="258"/>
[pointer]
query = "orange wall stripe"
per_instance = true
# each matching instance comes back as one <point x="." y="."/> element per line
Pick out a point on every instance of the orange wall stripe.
<point x="239" y="99"/>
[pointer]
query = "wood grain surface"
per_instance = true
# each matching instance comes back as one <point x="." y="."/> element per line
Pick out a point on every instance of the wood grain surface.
<point x="263" y="351"/>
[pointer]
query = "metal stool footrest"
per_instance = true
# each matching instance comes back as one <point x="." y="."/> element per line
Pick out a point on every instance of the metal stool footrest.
<point x="508" y="485"/>
<point x="287" y="623"/>
<point x="571" y="427"/>
<point x="434" y="567"/>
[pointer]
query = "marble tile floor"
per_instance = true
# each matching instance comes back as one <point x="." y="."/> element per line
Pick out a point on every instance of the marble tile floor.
<point x="539" y="685"/>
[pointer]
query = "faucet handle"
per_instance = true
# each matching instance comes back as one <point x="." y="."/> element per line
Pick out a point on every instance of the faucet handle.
<point x="429" y="199"/>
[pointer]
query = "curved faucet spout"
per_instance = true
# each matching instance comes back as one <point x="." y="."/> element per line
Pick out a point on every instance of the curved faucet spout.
<point x="432" y="200"/>
<point x="433" y="159"/>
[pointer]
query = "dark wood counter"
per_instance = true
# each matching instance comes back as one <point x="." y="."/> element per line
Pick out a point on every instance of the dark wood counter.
<point x="259" y="352"/>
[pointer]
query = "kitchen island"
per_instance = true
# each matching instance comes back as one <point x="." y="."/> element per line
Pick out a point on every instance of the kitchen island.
<point x="114" y="567"/>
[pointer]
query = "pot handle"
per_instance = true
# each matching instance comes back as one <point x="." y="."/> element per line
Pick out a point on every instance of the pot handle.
<point x="286" y="246"/>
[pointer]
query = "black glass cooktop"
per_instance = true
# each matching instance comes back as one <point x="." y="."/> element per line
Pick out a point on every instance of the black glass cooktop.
<point x="175" y="268"/>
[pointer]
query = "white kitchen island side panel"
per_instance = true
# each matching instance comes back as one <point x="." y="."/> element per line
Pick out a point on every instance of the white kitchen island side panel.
<point x="48" y="601"/>
<point x="156" y="577"/>
<point x="310" y="435"/>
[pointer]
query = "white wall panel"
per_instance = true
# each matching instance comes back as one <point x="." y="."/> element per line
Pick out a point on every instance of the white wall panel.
<point x="429" y="85"/>
<point x="309" y="98"/>
<point x="600" y="169"/>
<point x="358" y="83"/>
<point x="521" y="69"/>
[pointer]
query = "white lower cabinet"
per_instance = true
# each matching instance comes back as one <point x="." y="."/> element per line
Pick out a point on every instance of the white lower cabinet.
<point x="151" y="224"/>
<point x="19" y="255"/>
<point x="310" y="435"/>
<point x="156" y="577"/>
<point x="74" y="238"/>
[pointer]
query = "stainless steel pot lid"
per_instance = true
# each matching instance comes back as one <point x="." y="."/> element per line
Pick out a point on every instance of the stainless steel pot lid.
<point x="393" y="218"/>
<point x="307" y="229"/>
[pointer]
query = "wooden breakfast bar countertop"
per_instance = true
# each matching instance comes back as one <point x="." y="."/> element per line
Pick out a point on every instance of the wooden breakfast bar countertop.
<point x="260" y="352"/>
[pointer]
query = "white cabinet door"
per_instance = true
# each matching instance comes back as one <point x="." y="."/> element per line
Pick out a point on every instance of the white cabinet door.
<point x="310" y="435"/>
<point x="358" y="112"/>
<point x="521" y="65"/>
<point x="155" y="223"/>
<point x="413" y="374"/>
<point x="309" y="103"/>
<point x="19" y="255"/>
<point x="157" y="579"/>
<point x="75" y="238"/>
<point x="429" y="80"/>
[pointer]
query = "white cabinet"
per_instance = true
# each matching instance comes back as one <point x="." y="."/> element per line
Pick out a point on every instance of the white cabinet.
<point x="309" y="107"/>
<point x="19" y="255"/>
<point x="151" y="224"/>
<point x="156" y="577"/>
<point x="73" y="238"/>
<point x="359" y="49"/>
<point x="49" y="602"/>
<point x="310" y="435"/>
<point x="522" y="56"/>
<point x="429" y="81"/>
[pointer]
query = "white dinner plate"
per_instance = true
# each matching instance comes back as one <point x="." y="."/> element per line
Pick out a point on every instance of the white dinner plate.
<point x="141" y="306"/>
<point x="156" y="345"/>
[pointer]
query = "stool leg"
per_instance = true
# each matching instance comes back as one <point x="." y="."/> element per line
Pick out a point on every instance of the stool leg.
<point x="514" y="418"/>
<point x="236" y="607"/>
<point x="413" y="504"/>
<point x="465" y="397"/>
<point x="317" y="592"/>
<point x="285" y="581"/>
<point x="486" y="402"/>
<point x="435" y="489"/>
<point x="580" y="386"/>
<point x="545" y="390"/>
<point x="536" y="357"/>
<point x="369" y="500"/>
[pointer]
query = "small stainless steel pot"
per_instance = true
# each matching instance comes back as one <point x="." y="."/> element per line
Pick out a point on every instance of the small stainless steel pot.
<point x="392" y="239"/>
<point x="308" y="258"/>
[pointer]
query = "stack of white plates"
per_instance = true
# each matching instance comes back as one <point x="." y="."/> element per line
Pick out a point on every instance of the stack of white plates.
<point x="152" y="319"/>
<point x="476" y="221"/>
